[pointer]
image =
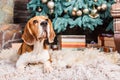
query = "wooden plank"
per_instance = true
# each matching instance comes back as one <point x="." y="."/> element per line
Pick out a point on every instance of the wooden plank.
<point x="20" y="5"/>
<point x="20" y="11"/>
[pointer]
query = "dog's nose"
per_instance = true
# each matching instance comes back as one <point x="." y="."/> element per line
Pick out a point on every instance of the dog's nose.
<point x="44" y="23"/>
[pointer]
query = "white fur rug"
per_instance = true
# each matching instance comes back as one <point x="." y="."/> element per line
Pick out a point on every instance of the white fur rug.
<point x="88" y="64"/>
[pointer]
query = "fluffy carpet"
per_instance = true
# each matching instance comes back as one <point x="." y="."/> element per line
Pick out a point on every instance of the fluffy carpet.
<point x="87" y="64"/>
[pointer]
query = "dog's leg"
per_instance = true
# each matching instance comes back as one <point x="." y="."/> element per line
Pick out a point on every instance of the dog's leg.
<point x="23" y="60"/>
<point x="26" y="58"/>
<point x="44" y="58"/>
<point x="47" y="67"/>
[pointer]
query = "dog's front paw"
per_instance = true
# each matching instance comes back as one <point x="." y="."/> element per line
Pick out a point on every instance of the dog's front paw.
<point x="20" y="64"/>
<point x="47" y="67"/>
<point x="20" y="67"/>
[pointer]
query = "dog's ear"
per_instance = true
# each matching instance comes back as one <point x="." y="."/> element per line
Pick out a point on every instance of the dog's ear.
<point x="30" y="32"/>
<point x="51" y="33"/>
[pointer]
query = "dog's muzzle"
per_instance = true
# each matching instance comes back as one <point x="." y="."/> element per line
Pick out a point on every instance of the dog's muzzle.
<point x="44" y="36"/>
<point x="44" y="25"/>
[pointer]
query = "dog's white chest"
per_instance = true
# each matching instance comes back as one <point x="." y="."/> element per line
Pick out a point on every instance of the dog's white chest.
<point x="38" y="47"/>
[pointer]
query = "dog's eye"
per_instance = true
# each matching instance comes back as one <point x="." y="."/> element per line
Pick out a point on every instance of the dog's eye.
<point x="35" y="21"/>
<point x="46" y="20"/>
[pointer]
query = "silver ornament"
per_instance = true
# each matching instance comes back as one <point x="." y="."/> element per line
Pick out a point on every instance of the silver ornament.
<point x="95" y="0"/>
<point x="44" y="1"/>
<point x="79" y="13"/>
<point x="50" y="4"/>
<point x="99" y="8"/>
<point x="86" y="11"/>
<point x="104" y="6"/>
<point x="74" y="9"/>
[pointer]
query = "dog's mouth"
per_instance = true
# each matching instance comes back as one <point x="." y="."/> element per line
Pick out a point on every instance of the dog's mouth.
<point x="43" y="35"/>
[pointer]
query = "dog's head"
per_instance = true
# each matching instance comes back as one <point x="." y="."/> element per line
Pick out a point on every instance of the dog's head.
<point x="38" y="27"/>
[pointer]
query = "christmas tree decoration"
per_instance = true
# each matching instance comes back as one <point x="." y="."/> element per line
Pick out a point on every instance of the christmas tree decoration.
<point x="87" y="14"/>
<point x="50" y="4"/>
<point x="104" y="6"/>
<point x="44" y="1"/>
<point x="39" y="9"/>
<point x="73" y="13"/>
<point x="86" y="11"/>
<point x="51" y="11"/>
<point x="74" y="9"/>
<point x="65" y="11"/>
<point x="93" y="13"/>
<point x="99" y="8"/>
<point x="68" y="0"/>
<point x="79" y="13"/>
<point x="95" y="0"/>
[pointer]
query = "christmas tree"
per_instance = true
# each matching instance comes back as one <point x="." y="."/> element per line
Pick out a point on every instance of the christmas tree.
<point x="70" y="13"/>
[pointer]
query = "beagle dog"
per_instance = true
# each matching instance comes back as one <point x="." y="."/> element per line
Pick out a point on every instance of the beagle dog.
<point x="33" y="49"/>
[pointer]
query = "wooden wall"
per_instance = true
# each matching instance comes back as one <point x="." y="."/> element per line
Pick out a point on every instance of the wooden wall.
<point x="20" y="11"/>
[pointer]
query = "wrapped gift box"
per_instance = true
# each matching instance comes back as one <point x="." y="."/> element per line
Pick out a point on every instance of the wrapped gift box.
<point x="71" y="41"/>
<point x="106" y="41"/>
